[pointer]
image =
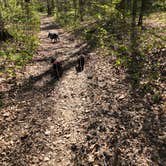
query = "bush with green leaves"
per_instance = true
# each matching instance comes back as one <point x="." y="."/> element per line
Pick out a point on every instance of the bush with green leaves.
<point x="22" y="21"/>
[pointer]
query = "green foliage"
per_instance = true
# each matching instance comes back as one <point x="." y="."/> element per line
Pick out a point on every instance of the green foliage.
<point x="160" y="5"/>
<point x="97" y="36"/>
<point x="40" y="6"/>
<point x="102" y="36"/>
<point x="22" y="21"/>
<point x="68" y="19"/>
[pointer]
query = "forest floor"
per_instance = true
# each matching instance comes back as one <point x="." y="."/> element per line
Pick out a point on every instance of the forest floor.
<point x="90" y="118"/>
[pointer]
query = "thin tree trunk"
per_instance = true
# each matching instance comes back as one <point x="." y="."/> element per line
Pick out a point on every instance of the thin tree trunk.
<point x="140" y="21"/>
<point x="57" y="9"/>
<point x="134" y="69"/>
<point x="81" y="10"/>
<point x="133" y="26"/>
<point x="48" y="8"/>
<point x="75" y="9"/>
<point x="1" y="27"/>
<point x="52" y="6"/>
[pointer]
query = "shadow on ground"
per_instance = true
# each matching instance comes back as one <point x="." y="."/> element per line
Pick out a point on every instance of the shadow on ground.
<point x="28" y="122"/>
<point x="127" y="119"/>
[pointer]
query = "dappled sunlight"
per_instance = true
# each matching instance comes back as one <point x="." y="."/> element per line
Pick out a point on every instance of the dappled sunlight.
<point x="35" y="98"/>
<point x="87" y="87"/>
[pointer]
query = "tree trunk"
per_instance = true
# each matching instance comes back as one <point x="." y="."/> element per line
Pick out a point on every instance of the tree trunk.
<point x="140" y="21"/>
<point x="81" y="10"/>
<point x="134" y="65"/>
<point x="48" y="8"/>
<point x="2" y="29"/>
<point x="52" y="6"/>
<point x="133" y="26"/>
<point x="75" y="9"/>
<point x="57" y="9"/>
<point x="1" y="22"/>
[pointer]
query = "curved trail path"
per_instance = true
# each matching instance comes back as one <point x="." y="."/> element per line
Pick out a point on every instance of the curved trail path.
<point x="47" y="113"/>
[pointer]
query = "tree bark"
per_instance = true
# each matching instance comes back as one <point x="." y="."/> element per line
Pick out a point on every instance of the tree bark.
<point x="57" y="9"/>
<point x="48" y="8"/>
<point x="1" y="27"/>
<point x="75" y="9"/>
<point x="140" y="21"/>
<point x="81" y="10"/>
<point x="133" y="26"/>
<point x="52" y="6"/>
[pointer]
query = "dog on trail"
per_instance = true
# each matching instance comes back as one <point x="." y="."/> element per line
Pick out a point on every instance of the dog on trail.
<point x="80" y="64"/>
<point x="53" y="36"/>
<point x="57" y="68"/>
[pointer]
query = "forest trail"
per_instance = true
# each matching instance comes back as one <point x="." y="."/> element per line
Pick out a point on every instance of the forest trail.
<point x="66" y="102"/>
<point x="46" y="113"/>
<point x="91" y="118"/>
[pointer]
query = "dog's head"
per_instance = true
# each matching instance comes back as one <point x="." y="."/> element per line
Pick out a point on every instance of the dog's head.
<point x="49" y="34"/>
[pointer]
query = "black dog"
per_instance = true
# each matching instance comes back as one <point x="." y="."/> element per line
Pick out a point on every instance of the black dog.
<point x="53" y="36"/>
<point x="80" y="66"/>
<point x="57" y="68"/>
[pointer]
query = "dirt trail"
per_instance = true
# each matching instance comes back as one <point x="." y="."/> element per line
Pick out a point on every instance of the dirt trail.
<point x="93" y="118"/>
<point x="67" y="101"/>
<point x="46" y="113"/>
